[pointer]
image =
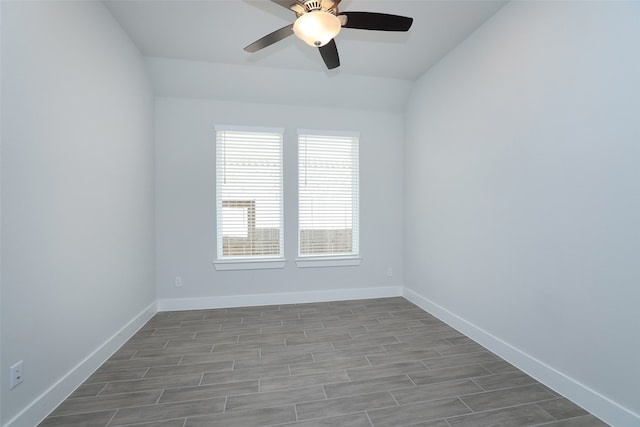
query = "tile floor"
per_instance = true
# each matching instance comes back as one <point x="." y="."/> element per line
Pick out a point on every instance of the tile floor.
<point x="377" y="362"/>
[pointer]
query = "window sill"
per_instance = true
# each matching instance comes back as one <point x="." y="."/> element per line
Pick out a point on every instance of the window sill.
<point x="312" y="262"/>
<point x="249" y="264"/>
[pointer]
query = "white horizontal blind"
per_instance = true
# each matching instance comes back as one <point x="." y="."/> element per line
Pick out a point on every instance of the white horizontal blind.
<point x="249" y="193"/>
<point x="328" y="193"/>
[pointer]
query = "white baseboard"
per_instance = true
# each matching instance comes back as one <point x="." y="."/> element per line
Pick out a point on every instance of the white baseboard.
<point x="599" y="405"/>
<point x="44" y="404"/>
<point x="281" y="298"/>
<point x="591" y="400"/>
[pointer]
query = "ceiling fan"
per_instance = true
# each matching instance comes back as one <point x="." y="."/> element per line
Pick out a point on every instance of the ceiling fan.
<point x="318" y="22"/>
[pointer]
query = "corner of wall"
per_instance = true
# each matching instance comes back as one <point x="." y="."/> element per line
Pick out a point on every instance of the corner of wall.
<point x="594" y="402"/>
<point x="44" y="404"/>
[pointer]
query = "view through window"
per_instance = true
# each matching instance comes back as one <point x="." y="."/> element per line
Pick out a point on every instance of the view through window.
<point x="249" y="192"/>
<point x="328" y="193"/>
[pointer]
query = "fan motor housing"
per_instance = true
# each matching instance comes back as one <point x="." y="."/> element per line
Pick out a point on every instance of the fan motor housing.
<point x="328" y="6"/>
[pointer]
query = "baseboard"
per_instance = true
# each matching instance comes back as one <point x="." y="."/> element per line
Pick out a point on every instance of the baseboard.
<point x="44" y="404"/>
<point x="599" y="405"/>
<point x="281" y="298"/>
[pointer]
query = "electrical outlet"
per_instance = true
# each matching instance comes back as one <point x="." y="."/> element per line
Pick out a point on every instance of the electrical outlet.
<point x="389" y="271"/>
<point x="15" y="374"/>
<point x="178" y="281"/>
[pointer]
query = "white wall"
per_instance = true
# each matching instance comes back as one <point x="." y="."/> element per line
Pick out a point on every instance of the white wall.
<point x="523" y="195"/>
<point x="185" y="204"/>
<point x="77" y="197"/>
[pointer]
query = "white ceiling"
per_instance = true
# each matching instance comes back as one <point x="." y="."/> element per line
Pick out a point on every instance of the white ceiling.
<point x="217" y="31"/>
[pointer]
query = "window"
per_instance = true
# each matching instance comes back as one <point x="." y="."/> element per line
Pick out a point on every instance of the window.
<point x="328" y="188"/>
<point x="249" y="193"/>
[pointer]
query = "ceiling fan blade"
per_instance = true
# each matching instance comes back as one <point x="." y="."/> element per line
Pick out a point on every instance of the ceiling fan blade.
<point x="377" y="21"/>
<point x="270" y="39"/>
<point x="329" y="54"/>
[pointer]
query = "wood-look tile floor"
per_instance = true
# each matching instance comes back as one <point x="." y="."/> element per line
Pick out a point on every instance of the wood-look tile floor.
<point x="377" y="362"/>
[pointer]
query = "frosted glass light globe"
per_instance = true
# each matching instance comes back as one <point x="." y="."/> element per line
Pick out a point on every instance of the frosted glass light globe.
<point x="317" y="28"/>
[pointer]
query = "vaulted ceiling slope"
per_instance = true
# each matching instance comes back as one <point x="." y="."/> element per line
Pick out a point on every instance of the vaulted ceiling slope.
<point x="218" y="30"/>
<point x="195" y="49"/>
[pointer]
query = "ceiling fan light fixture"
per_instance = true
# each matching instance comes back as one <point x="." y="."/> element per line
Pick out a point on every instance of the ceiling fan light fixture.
<point x="317" y="28"/>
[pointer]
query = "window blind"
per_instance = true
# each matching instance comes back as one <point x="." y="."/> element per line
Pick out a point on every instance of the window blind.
<point x="328" y="193"/>
<point x="249" y="192"/>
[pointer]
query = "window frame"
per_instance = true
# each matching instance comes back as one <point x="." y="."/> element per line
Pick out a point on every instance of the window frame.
<point x="333" y="260"/>
<point x="247" y="262"/>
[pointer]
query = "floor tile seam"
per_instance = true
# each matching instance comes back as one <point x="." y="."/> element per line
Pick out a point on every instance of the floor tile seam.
<point x="501" y="408"/>
<point x="425" y="366"/>
<point x="457" y="396"/>
<point x="488" y="374"/>
<point x="343" y="414"/>
<point x="181" y="354"/>
<point x="476" y="383"/>
<point x="390" y="390"/>
<point x="102" y="371"/>
<point x="295" y="411"/>
<point x="321" y="384"/>
<point x="269" y="391"/>
<point x="143" y="375"/>
<point x="483" y="350"/>
<point x="145" y="423"/>
<point x="393" y="397"/>
<point x="497" y="359"/>
<point x="193" y="364"/>
<point x="463" y="366"/>
<point x="371" y="365"/>
<point x="368" y="418"/>
<point x="112" y="417"/>
<point x="412" y="381"/>
<point x="277" y="405"/>
<point x="52" y="416"/>
<point x="102" y="396"/>
<point x="268" y="365"/>
<point x="159" y="397"/>
<point x="98" y="393"/>
<point x="450" y="382"/>
<point x="356" y="395"/>
<point x="252" y="382"/>
<point x="154" y="405"/>
<point x="555" y="420"/>
<point x="462" y="378"/>
<point x="134" y="353"/>
<point x="447" y="421"/>
<point x="408" y="360"/>
<point x="507" y="387"/>
<point x="561" y="419"/>
<point x="91" y="411"/>
<point x="421" y="421"/>
<point x="550" y="414"/>
<point x="373" y="376"/>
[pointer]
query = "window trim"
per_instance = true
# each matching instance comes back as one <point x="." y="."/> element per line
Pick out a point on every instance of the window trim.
<point x="313" y="261"/>
<point x="250" y="262"/>
<point x="331" y="259"/>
